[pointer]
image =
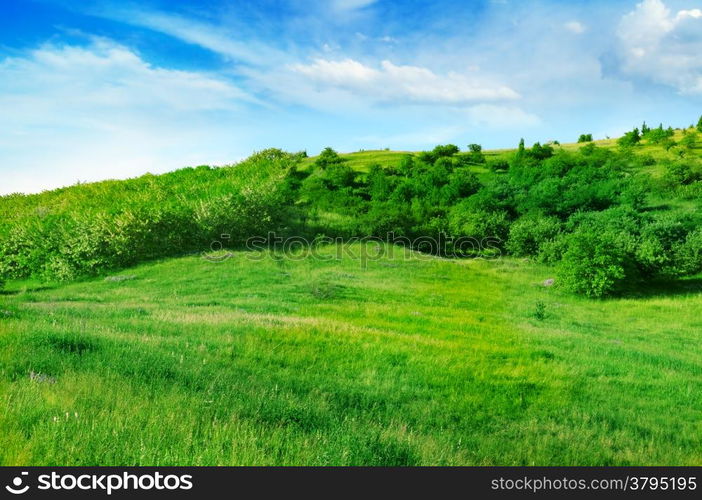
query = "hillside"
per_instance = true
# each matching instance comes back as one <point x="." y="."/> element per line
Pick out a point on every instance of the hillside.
<point x="324" y="362"/>
<point x="535" y="306"/>
<point x="549" y="201"/>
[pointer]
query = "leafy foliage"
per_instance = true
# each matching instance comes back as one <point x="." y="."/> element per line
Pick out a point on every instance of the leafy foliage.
<point x="590" y="211"/>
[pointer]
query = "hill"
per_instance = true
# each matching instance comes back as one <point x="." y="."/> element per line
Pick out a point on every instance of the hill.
<point x="535" y="306"/>
<point x="549" y="201"/>
<point x="314" y="361"/>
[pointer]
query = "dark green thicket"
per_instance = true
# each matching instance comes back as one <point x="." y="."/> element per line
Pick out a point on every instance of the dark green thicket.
<point x="595" y="213"/>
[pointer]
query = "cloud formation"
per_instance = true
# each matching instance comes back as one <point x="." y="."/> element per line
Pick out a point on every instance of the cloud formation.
<point x="657" y="45"/>
<point x="82" y="112"/>
<point x="408" y="84"/>
<point x="575" y="27"/>
<point x="351" y="4"/>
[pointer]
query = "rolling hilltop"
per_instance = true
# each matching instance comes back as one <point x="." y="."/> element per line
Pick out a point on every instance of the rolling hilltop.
<point x="571" y="338"/>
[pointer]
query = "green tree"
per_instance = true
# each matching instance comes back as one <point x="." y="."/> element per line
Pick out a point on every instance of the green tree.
<point x="699" y="125"/>
<point x="327" y="158"/>
<point x="630" y="138"/>
<point x="585" y="138"/>
<point x="476" y="153"/>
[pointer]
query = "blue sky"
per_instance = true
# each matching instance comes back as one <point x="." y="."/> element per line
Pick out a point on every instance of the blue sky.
<point x="93" y="90"/>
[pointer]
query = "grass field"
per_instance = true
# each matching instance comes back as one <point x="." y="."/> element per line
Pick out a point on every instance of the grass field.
<point x="311" y="361"/>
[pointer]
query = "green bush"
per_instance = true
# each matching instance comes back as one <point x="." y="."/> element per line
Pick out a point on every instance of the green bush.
<point x="529" y="233"/>
<point x="683" y="172"/>
<point x="478" y="224"/>
<point x="659" y="239"/>
<point x="689" y="255"/>
<point x="630" y="139"/>
<point x="498" y="165"/>
<point x="594" y="264"/>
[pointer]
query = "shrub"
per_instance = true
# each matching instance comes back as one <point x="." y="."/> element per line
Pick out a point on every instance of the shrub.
<point x="498" y="165"/>
<point x="328" y="157"/>
<point x="539" y="152"/>
<point x="689" y="140"/>
<point x="529" y="233"/>
<point x="630" y="138"/>
<point x="461" y="184"/>
<point x="540" y="311"/>
<point x="594" y="264"/>
<point x="441" y="151"/>
<point x="659" y="135"/>
<point x="478" y="224"/>
<point x="660" y="237"/>
<point x="683" y="172"/>
<point x="476" y="153"/>
<point x="384" y="218"/>
<point x="688" y="256"/>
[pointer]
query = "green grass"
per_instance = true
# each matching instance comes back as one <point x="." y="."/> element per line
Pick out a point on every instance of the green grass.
<point x="310" y="362"/>
<point x="361" y="160"/>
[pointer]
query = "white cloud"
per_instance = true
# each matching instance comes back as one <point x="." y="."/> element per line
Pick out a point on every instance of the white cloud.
<point x="501" y="117"/>
<point x="98" y="111"/>
<point x="575" y="27"/>
<point x="662" y="47"/>
<point x="351" y="4"/>
<point x="404" y="84"/>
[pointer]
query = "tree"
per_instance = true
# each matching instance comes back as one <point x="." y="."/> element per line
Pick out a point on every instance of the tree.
<point x="476" y="153"/>
<point x="327" y="158"/>
<point x="630" y="138"/>
<point x="539" y="152"/>
<point x="440" y="151"/>
<point x="645" y="129"/>
<point x="699" y="125"/>
<point x="585" y="138"/>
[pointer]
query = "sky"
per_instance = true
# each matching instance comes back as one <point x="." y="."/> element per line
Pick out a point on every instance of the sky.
<point x="109" y="89"/>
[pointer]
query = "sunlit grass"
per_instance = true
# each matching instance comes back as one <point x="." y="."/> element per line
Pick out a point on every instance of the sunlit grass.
<point x="421" y="361"/>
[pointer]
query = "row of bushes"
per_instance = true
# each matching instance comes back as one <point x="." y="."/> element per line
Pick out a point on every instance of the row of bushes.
<point x="589" y="212"/>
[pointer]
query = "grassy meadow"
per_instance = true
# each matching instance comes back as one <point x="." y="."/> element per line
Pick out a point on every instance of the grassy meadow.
<point x="121" y="345"/>
<point x="403" y="361"/>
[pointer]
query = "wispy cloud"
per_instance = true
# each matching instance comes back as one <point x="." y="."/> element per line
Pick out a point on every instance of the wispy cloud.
<point x="90" y="112"/>
<point x="225" y="42"/>
<point x="346" y="5"/>
<point x="408" y="84"/>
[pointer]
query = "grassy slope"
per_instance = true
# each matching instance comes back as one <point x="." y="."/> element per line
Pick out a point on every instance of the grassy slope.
<point x="424" y="361"/>
<point x="430" y="362"/>
<point x="360" y="160"/>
